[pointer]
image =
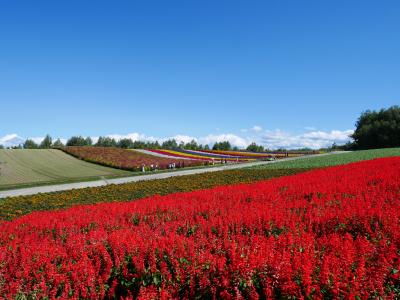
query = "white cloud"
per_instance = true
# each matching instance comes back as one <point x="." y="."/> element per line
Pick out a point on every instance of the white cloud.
<point x="313" y="139"/>
<point x="181" y="138"/>
<point x="336" y="135"/>
<point x="257" y="128"/>
<point x="271" y="139"/>
<point x="310" y="128"/>
<point x="231" y="138"/>
<point x="37" y="140"/>
<point x="11" y="140"/>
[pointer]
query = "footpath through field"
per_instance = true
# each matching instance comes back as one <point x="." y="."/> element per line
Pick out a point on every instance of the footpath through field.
<point x="80" y="185"/>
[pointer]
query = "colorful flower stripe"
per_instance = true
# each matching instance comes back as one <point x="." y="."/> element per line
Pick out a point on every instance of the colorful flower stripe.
<point x="331" y="233"/>
<point x="125" y="159"/>
<point x="181" y="154"/>
<point x="208" y="154"/>
<point x="244" y="154"/>
<point x="213" y="155"/>
<point x="178" y="155"/>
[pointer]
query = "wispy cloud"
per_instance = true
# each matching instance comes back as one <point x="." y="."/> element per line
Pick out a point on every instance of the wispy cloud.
<point x="310" y="128"/>
<point x="257" y="128"/>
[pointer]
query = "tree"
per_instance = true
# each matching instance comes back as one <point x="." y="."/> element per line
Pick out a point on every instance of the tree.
<point x="253" y="147"/>
<point x="225" y="146"/>
<point x="88" y="141"/>
<point x="139" y="145"/>
<point x="153" y="145"/>
<point x="170" y="144"/>
<point x="1" y="146"/>
<point x="58" y="144"/>
<point x="30" y="144"/>
<point x="77" y="141"/>
<point x="46" y="143"/>
<point x="378" y="129"/>
<point x="125" y="143"/>
<point x="192" y="145"/>
<point x="106" y="142"/>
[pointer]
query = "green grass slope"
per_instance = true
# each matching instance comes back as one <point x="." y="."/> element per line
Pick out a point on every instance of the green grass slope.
<point x="29" y="167"/>
<point x="334" y="159"/>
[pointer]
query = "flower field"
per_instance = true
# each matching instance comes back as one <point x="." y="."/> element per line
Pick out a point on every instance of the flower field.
<point x="199" y="155"/>
<point x="125" y="159"/>
<point x="243" y="154"/>
<point x="11" y="208"/>
<point x="217" y="155"/>
<point x="258" y="155"/>
<point x="330" y="233"/>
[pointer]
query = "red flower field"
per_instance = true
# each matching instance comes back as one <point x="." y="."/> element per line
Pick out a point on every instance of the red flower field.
<point x="331" y="233"/>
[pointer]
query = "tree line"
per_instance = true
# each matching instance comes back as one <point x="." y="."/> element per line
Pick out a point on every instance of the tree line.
<point x="126" y="143"/>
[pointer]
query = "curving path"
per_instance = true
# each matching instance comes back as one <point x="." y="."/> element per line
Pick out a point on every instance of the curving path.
<point x="80" y="185"/>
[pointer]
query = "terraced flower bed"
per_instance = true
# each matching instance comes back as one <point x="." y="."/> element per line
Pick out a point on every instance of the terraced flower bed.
<point x="325" y="234"/>
<point x="216" y="155"/>
<point x="197" y="155"/>
<point x="126" y="159"/>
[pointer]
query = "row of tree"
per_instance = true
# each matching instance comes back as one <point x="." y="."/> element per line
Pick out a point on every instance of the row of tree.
<point x="127" y="143"/>
<point x="46" y="143"/>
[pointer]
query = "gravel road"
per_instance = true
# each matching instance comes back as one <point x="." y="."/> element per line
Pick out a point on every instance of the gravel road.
<point x="146" y="176"/>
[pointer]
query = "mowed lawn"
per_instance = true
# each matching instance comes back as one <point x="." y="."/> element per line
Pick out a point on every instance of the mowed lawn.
<point x="333" y="159"/>
<point x="28" y="167"/>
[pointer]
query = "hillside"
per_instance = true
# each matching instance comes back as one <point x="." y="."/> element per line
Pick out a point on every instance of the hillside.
<point x="24" y="167"/>
<point x="334" y="160"/>
<point x="127" y="159"/>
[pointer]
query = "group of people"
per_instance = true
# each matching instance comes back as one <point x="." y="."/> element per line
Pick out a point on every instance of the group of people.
<point x="176" y="165"/>
<point x="154" y="167"/>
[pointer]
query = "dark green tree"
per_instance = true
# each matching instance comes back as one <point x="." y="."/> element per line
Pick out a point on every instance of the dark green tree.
<point x="46" y="143"/>
<point x="225" y="146"/>
<point x="77" y="141"/>
<point x="139" y="145"/>
<point x="253" y="147"/>
<point x="125" y="143"/>
<point x="88" y="141"/>
<point x="58" y="144"/>
<point x="378" y="129"/>
<point x="170" y="144"/>
<point x="30" y="144"/>
<point x="106" y="142"/>
<point x="192" y="145"/>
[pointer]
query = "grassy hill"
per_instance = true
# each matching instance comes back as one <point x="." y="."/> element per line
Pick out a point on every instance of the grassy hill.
<point x="334" y="159"/>
<point x="31" y="167"/>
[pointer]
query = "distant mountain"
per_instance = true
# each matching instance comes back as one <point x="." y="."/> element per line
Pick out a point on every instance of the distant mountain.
<point x="11" y="140"/>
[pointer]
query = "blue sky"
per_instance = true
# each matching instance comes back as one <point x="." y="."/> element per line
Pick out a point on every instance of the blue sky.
<point x="196" y="68"/>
